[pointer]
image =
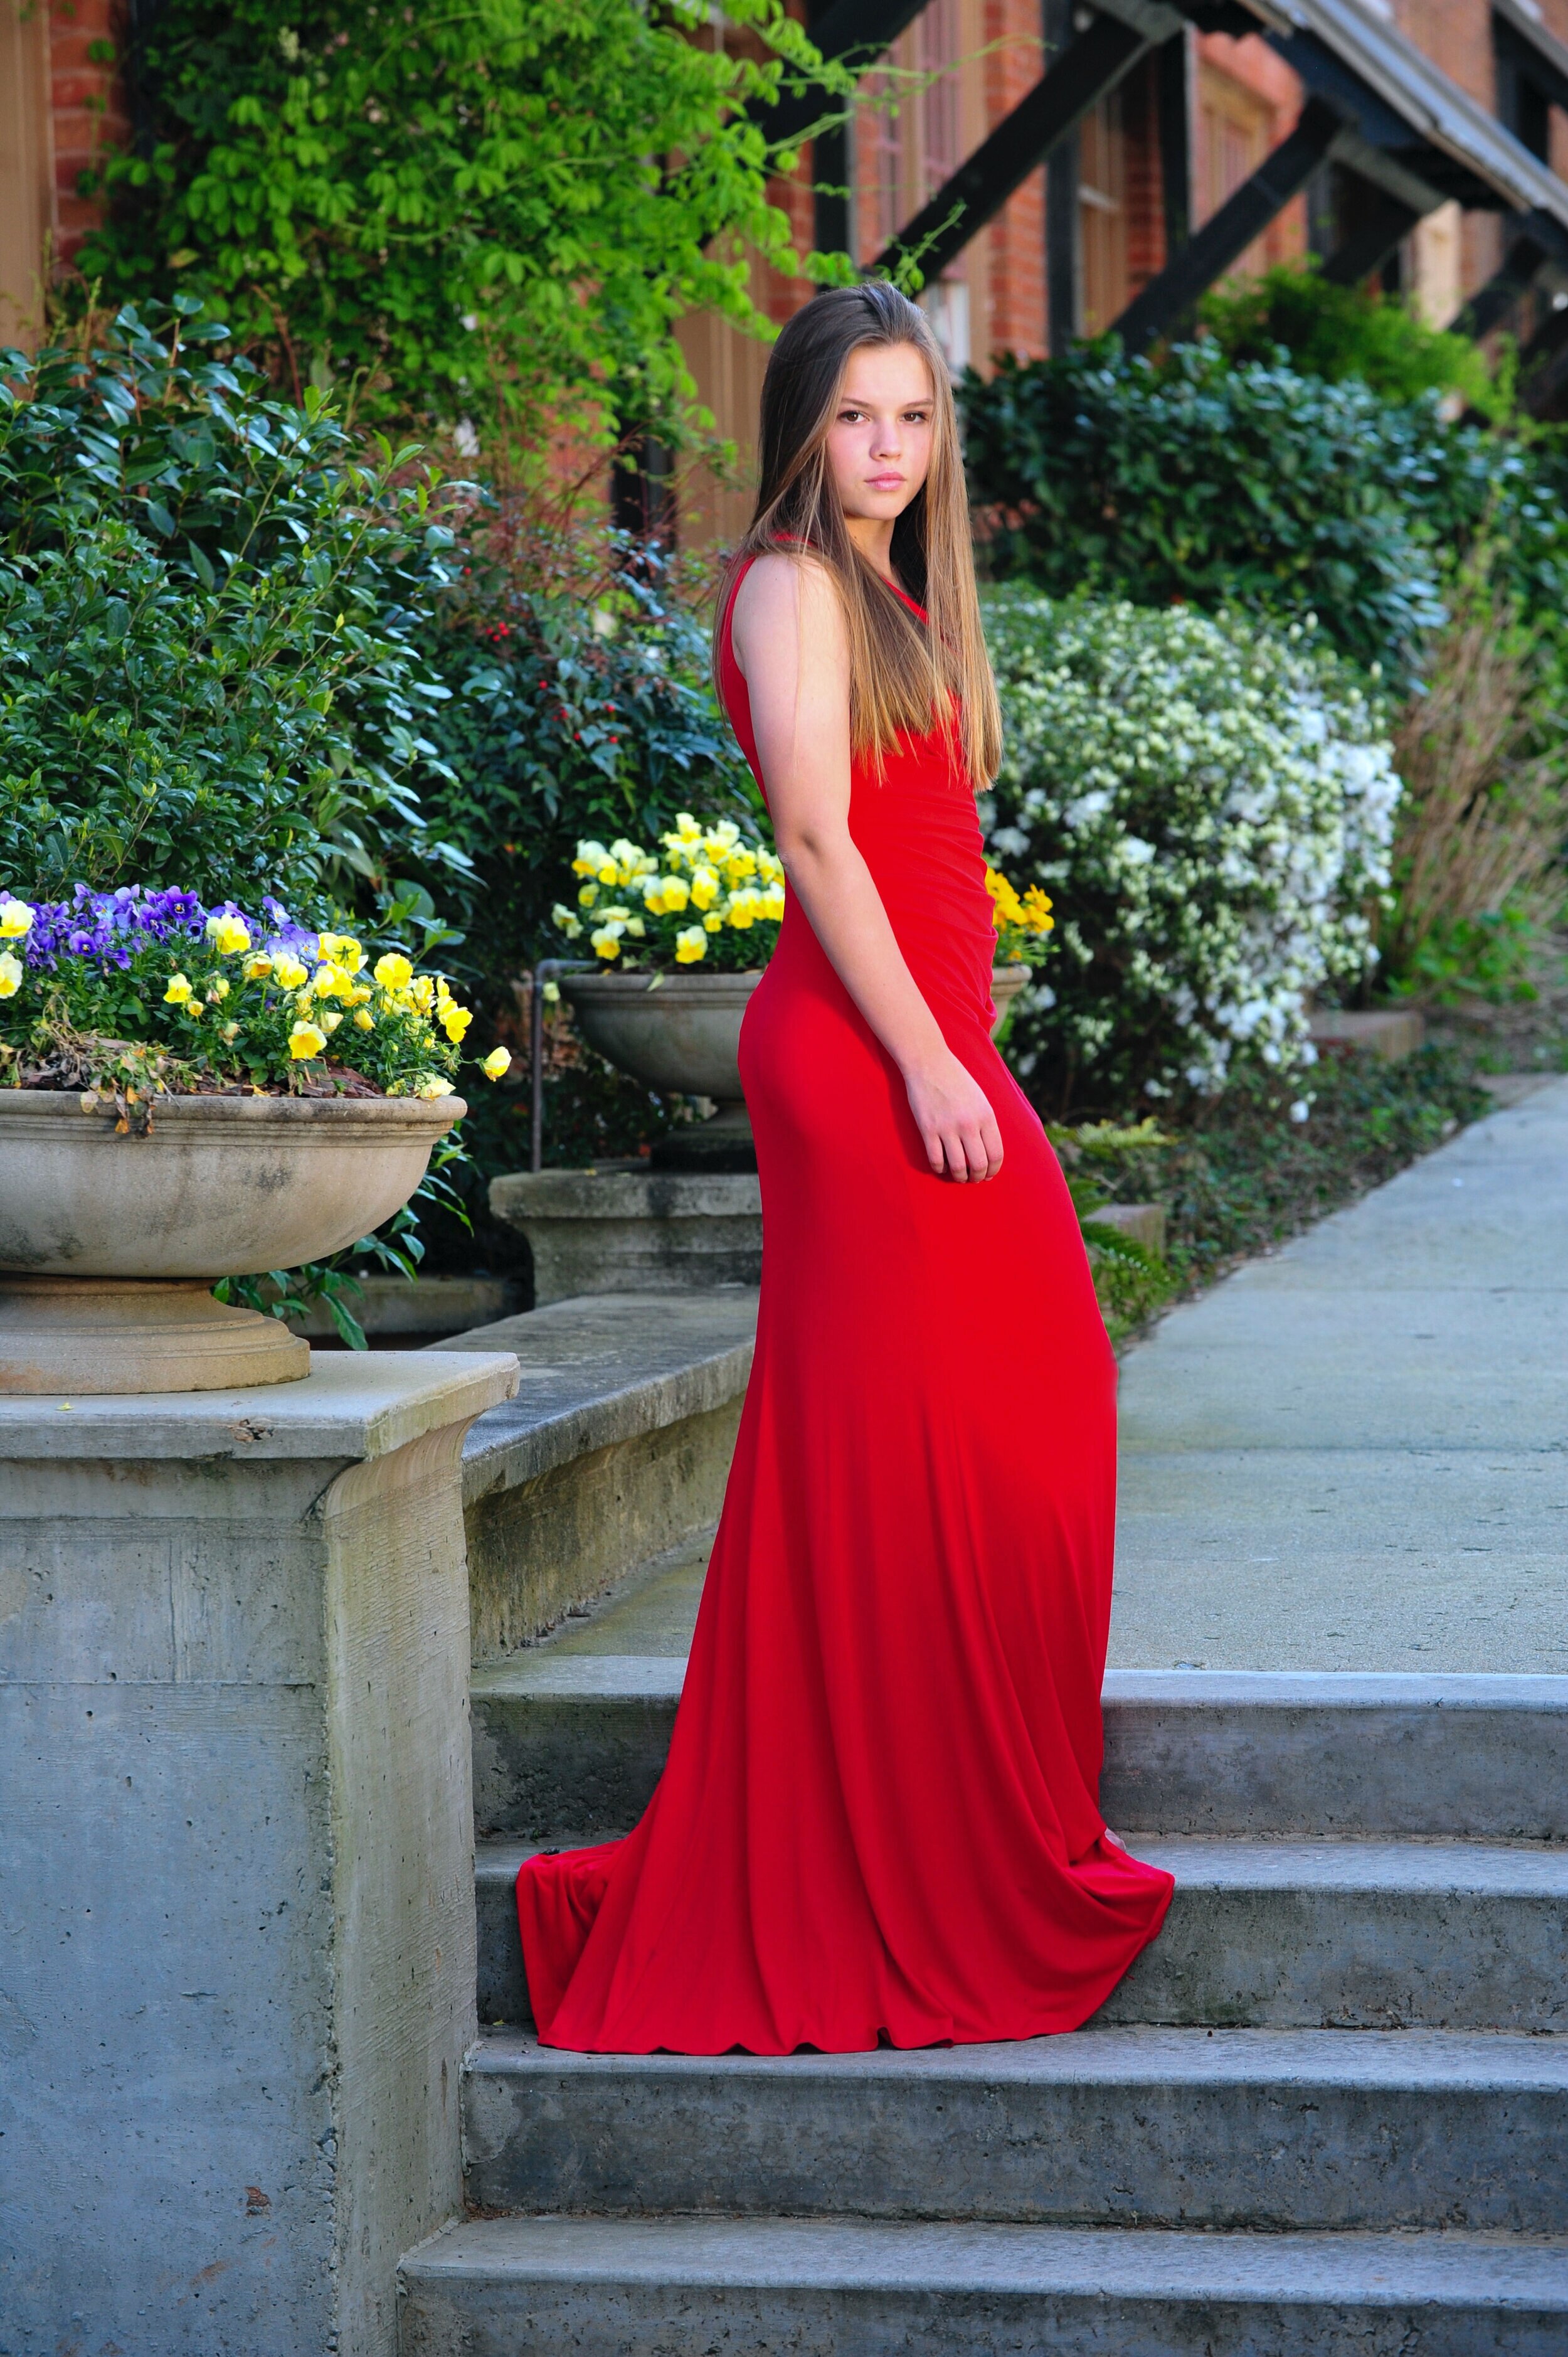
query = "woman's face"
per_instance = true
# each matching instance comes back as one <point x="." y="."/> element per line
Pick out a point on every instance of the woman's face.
<point x="879" y="444"/>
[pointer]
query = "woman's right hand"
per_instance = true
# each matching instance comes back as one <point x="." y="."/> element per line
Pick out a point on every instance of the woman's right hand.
<point x="952" y="1113"/>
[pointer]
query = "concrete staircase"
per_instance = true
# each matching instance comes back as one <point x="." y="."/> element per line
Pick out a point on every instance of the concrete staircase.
<point x="1326" y="2113"/>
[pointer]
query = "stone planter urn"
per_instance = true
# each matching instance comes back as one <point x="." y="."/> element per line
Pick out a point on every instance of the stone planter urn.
<point x="678" y="1033"/>
<point x="109" y="1242"/>
<point x="1006" y="982"/>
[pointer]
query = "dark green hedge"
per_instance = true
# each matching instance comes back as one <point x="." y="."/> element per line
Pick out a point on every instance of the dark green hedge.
<point x="1255" y="486"/>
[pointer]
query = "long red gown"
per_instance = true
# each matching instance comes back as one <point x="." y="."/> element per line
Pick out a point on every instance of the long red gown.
<point x="879" y="1822"/>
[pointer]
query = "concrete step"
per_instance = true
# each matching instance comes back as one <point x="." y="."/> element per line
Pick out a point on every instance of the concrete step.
<point x="1364" y="1935"/>
<point x="524" y="2286"/>
<point x="579" y="1739"/>
<point x="1262" y="2129"/>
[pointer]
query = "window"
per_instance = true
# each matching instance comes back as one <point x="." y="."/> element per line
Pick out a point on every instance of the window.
<point x="1103" y="214"/>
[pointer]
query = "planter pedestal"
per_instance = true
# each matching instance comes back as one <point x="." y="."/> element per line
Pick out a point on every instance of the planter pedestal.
<point x="628" y="1229"/>
<point x="234" y="1746"/>
<point x="85" y="1335"/>
<point x="724" y="1143"/>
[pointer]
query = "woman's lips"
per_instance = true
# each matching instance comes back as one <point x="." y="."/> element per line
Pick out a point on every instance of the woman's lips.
<point x="886" y="482"/>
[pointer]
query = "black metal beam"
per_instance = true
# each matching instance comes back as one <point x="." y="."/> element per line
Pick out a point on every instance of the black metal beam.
<point x="1063" y="256"/>
<point x="1543" y="368"/>
<point x="1518" y="60"/>
<point x="860" y="29"/>
<point x="1091" y="64"/>
<point x="832" y="149"/>
<point x="1172" y="99"/>
<point x="1535" y="240"/>
<point x="1244" y="215"/>
<point x="1370" y="244"/>
<point x="1328" y="77"/>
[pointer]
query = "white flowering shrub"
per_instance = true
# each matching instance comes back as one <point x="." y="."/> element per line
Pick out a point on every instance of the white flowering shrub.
<point x="1210" y="804"/>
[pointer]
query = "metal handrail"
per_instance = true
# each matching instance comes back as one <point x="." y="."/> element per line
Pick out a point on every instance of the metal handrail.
<point x="545" y="971"/>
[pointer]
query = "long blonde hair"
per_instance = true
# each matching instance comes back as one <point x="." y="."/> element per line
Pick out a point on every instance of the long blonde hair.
<point x="903" y="677"/>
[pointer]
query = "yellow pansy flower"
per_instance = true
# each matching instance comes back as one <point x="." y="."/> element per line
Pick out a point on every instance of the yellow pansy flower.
<point x="229" y="935"/>
<point x="454" y="1020"/>
<point x="257" y="968"/>
<point x="305" y="1040"/>
<point x="365" y="1020"/>
<point x="704" y="888"/>
<point x="288" y="970"/>
<point x="421" y="994"/>
<point x="393" y="971"/>
<point x="342" y="950"/>
<point x="606" y="941"/>
<point x="497" y="1064"/>
<point x="10" y="973"/>
<point x="713" y="922"/>
<point x="179" y="993"/>
<point x="16" y="919"/>
<point x="433" y="1085"/>
<point x="217" y="990"/>
<point x="691" y="944"/>
<point x="591" y="857"/>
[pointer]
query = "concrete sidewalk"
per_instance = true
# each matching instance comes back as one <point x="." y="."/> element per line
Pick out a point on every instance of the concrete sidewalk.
<point x="1353" y="1455"/>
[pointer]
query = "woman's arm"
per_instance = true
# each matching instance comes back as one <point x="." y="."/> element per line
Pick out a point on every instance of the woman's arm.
<point x="790" y="640"/>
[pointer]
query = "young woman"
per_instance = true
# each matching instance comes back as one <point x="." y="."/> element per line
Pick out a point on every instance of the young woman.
<point x="878" y="1823"/>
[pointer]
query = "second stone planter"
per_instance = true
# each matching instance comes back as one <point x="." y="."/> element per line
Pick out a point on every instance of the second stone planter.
<point x="679" y="1033"/>
<point x="692" y="1215"/>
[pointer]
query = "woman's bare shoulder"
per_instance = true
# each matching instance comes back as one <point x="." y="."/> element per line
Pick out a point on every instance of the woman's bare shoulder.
<point x="786" y="589"/>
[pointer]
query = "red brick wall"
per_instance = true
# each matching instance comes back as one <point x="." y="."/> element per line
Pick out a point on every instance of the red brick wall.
<point x="1013" y="295"/>
<point x="87" y="105"/>
<point x="1145" y="193"/>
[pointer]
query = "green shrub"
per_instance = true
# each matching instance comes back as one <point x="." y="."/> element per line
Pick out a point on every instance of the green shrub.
<point x="1335" y="332"/>
<point x="1210" y="804"/>
<point x="208" y="674"/>
<point x="1256" y="487"/>
<point x="569" y="714"/>
<point x="494" y="213"/>
<point x="1477" y="862"/>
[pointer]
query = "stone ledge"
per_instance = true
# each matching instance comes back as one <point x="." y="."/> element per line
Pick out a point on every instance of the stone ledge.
<point x="604" y="1368"/>
<point x="1392" y="1032"/>
<point x="424" y="1305"/>
<point x="617" y="1447"/>
<point x="1144" y="1223"/>
<point x="610" y="1191"/>
<point x="349" y="1406"/>
<point x="617" y="1229"/>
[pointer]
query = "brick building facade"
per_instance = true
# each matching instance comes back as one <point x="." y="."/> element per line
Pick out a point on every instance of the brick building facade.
<point x="1200" y="109"/>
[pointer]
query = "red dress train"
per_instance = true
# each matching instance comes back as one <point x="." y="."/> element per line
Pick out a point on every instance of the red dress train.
<point x="878" y="1821"/>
